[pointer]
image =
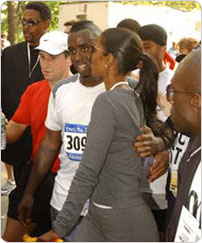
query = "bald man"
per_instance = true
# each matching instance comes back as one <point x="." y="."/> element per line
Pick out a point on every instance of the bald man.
<point x="185" y="96"/>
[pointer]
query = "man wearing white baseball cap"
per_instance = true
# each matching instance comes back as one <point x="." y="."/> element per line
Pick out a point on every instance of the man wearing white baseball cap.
<point x="32" y="110"/>
<point x="54" y="42"/>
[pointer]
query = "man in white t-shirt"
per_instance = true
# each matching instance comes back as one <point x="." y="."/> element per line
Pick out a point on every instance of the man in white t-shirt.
<point x="154" y="39"/>
<point x="68" y="116"/>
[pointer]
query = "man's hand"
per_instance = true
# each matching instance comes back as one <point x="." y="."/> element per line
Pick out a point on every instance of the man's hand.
<point x="159" y="167"/>
<point x="48" y="236"/>
<point x="147" y="144"/>
<point x="25" y="210"/>
<point x="45" y="158"/>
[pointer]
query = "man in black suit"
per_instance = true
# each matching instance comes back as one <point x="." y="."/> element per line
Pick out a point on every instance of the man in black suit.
<point x="20" y="67"/>
<point x="184" y="94"/>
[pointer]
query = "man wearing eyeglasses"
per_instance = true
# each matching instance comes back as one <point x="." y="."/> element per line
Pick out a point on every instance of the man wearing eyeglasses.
<point x="185" y="96"/>
<point x="20" y="67"/>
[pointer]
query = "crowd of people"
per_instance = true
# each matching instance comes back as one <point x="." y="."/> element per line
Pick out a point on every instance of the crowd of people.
<point x="103" y="132"/>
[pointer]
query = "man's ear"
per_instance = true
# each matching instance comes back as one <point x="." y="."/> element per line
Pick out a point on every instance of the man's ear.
<point x="47" y="23"/>
<point x="164" y="48"/>
<point x="196" y="101"/>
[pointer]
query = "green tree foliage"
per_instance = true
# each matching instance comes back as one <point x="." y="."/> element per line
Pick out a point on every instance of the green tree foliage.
<point x="179" y="5"/>
<point x="4" y="22"/>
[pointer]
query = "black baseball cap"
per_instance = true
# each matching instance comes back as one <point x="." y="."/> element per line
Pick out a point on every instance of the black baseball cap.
<point x="153" y="32"/>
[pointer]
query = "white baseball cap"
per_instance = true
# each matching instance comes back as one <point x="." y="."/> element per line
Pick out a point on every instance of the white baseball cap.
<point x="54" y="42"/>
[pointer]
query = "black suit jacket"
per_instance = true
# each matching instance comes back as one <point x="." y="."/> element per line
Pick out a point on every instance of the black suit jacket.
<point x="15" y="76"/>
<point x="14" y="80"/>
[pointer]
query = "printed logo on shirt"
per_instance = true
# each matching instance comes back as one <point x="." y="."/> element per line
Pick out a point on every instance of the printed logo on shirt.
<point x="177" y="152"/>
<point x="178" y="149"/>
<point x="75" y="141"/>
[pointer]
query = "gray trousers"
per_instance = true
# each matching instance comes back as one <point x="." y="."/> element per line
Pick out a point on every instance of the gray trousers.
<point x="134" y="224"/>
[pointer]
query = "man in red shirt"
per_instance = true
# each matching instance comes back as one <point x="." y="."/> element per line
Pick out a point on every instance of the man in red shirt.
<point x="32" y="110"/>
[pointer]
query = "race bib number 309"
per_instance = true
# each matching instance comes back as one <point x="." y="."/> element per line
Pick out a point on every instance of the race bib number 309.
<point x="75" y="141"/>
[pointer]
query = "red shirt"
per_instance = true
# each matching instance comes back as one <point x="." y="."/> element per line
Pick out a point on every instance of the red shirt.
<point x="32" y="111"/>
<point x="168" y="58"/>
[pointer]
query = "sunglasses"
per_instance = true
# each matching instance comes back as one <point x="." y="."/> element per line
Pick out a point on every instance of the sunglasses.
<point x="30" y="22"/>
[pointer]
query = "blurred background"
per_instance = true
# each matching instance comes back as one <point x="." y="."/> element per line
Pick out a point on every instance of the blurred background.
<point x="179" y="18"/>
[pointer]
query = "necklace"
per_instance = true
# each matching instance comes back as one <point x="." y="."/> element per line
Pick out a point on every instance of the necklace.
<point x="29" y="60"/>
<point x="117" y="84"/>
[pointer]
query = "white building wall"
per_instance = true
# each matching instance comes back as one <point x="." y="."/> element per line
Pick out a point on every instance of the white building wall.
<point x="178" y="24"/>
<point x="97" y="12"/>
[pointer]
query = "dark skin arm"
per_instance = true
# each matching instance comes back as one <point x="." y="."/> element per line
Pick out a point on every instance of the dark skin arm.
<point x="159" y="167"/>
<point x="147" y="144"/>
<point x="45" y="158"/>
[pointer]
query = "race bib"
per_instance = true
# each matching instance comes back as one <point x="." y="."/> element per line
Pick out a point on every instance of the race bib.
<point x="177" y="153"/>
<point x="75" y="141"/>
<point x="188" y="228"/>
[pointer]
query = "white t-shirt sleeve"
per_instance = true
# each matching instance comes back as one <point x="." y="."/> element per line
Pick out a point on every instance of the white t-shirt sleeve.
<point x="165" y="78"/>
<point x="163" y="86"/>
<point x="52" y="120"/>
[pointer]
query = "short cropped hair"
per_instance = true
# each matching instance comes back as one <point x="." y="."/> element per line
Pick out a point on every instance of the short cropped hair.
<point x="68" y="23"/>
<point x="42" y="8"/>
<point x="86" y="25"/>
<point x="129" y="24"/>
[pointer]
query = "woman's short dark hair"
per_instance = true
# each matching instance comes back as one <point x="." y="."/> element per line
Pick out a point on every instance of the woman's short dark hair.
<point x="42" y="8"/>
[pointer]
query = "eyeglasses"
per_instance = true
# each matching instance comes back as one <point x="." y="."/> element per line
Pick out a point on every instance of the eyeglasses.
<point x="170" y="93"/>
<point x="30" y="22"/>
<point x="99" y="49"/>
